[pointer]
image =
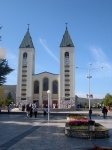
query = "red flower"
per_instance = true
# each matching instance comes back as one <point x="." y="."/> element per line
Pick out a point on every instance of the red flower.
<point x="79" y="122"/>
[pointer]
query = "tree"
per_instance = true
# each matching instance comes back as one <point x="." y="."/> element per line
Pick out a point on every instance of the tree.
<point x="1" y="93"/>
<point x="4" y="70"/>
<point x="107" y="101"/>
<point x="9" y="96"/>
<point x="85" y="105"/>
<point x="2" y="98"/>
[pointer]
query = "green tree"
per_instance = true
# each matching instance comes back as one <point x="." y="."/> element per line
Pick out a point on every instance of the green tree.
<point x="5" y="101"/>
<point x="2" y="98"/>
<point x="85" y="105"/>
<point x="9" y="96"/>
<point x="4" y="70"/>
<point x="107" y="101"/>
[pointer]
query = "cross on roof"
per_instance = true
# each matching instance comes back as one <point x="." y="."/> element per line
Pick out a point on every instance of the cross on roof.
<point x="66" y="25"/>
<point x="28" y="26"/>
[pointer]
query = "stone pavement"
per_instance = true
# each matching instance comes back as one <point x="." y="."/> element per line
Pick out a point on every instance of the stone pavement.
<point x="17" y="132"/>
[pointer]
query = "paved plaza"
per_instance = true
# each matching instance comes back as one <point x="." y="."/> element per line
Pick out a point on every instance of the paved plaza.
<point x="17" y="132"/>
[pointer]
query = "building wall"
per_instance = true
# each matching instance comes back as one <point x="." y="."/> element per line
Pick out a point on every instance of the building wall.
<point x="43" y="96"/>
<point x="63" y="74"/>
<point x="25" y="71"/>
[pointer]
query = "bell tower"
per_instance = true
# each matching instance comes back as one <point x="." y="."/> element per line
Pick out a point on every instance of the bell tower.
<point x="26" y="65"/>
<point x="67" y="75"/>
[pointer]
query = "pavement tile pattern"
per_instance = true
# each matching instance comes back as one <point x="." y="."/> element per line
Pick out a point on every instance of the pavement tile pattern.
<point x="17" y="132"/>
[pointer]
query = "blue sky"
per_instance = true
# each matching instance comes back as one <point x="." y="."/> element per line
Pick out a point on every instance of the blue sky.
<point x="89" y="25"/>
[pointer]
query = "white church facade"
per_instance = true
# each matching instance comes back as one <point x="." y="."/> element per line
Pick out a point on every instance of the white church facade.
<point x="32" y="88"/>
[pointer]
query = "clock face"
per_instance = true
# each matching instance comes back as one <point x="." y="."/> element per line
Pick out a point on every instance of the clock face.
<point x="24" y="61"/>
<point x="66" y="61"/>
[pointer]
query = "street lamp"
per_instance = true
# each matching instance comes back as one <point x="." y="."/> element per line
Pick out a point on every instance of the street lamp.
<point x="89" y="95"/>
<point x="2" y="53"/>
<point x="48" y="92"/>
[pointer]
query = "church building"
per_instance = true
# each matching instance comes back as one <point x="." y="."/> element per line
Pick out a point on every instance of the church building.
<point x="32" y="88"/>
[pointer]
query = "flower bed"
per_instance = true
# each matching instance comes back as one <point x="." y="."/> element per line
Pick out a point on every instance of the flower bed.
<point x="79" y="126"/>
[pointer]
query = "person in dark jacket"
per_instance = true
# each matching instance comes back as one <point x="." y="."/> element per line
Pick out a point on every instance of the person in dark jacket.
<point x="104" y="111"/>
<point x="35" y="111"/>
<point x="31" y="111"/>
<point x="45" y="111"/>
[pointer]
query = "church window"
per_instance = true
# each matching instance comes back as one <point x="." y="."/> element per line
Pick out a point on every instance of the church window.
<point x="24" y="66"/>
<point x="24" y="75"/>
<point x="67" y="70"/>
<point x="67" y="84"/>
<point x="67" y="98"/>
<point x="66" y="54"/>
<point x="45" y="84"/>
<point x="24" y="70"/>
<point x="67" y="80"/>
<point x="24" y="80"/>
<point x="23" y="89"/>
<point x="67" y="95"/>
<point x="67" y="89"/>
<point x="67" y="66"/>
<point x="23" y="98"/>
<point x="23" y="94"/>
<point x="23" y="84"/>
<point x="66" y="75"/>
<point x="25" y="55"/>
<point x="36" y="87"/>
<point x="55" y="87"/>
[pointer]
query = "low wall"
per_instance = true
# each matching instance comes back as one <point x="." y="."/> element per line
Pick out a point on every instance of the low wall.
<point x="86" y="134"/>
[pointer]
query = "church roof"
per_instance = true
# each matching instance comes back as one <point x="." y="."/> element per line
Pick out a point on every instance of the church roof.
<point x="66" y="41"/>
<point x="27" y="41"/>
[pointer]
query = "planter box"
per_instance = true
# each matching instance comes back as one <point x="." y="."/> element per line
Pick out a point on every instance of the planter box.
<point x="86" y="134"/>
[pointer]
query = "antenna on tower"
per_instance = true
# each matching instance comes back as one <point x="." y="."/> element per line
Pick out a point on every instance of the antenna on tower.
<point x="0" y="36"/>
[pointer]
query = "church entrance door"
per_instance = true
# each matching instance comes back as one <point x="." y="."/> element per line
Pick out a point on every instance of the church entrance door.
<point x="54" y="104"/>
<point x="45" y="103"/>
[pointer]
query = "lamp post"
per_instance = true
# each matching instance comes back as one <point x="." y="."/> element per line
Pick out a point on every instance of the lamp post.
<point x="89" y="95"/>
<point x="2" y="53"/>
<point x="48" y="92"/>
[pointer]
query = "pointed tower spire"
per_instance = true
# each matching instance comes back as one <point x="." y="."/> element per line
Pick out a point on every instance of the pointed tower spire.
<point x="66" y="40"/>
<point x="27" y="40"/>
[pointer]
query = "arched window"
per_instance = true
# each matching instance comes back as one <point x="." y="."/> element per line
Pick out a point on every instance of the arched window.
<point x="36" y="87"/>
<point x="25" y="55"/>
<point x="45" y="84"/>
<point x="67" y="54"/>
<point x="55" y="87"/>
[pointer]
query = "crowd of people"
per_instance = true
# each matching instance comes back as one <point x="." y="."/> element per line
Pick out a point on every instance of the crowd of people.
<point x="32" y="109"/>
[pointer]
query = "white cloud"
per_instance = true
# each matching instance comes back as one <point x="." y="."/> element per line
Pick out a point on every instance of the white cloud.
<point x="101" y="59"/>
<point x="43" y="43"/>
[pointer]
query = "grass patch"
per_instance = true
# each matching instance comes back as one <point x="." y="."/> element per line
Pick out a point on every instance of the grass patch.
<point x="82" y="127"/>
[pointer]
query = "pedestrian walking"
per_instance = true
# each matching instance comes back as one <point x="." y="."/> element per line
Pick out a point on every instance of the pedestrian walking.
<point x="35" y="111"/>
<point x="27" y="110"/>
<point x="45" y="111"/>
<point x="90" y="113"/>
<point x="8" y="108"/>
<point x="104" y="111"/>
<point x="31" y="111"/>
